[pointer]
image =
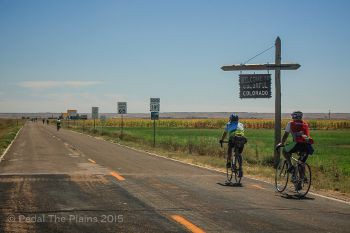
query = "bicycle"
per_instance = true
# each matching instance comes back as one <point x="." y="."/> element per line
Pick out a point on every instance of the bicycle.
<point x="300" y="175"/>
<point x="233" y="171"/>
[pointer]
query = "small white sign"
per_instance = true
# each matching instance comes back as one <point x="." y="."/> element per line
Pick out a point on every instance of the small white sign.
<point x="103" y="118"/>
<point x="155" y="105"/>
<point x="122" y="108"/>
<point x="94" y="112"/>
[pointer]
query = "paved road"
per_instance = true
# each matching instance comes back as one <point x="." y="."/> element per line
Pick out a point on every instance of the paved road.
<point x="66" y="182"/>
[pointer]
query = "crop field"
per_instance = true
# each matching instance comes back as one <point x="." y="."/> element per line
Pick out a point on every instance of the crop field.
<point x="216" y="123"/>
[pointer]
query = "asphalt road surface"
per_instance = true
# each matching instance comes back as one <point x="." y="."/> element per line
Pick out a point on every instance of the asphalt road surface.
<point x="67" y="182"/>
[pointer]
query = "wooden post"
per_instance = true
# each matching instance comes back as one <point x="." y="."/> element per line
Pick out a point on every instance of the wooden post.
<point x="121" y="135"/>
<point x="154" y="132"/>
<point x="277" y="99"/>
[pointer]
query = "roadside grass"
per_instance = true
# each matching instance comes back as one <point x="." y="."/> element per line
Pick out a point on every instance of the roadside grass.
<point x="8" y="131"/>
<point x="330" y="162"/>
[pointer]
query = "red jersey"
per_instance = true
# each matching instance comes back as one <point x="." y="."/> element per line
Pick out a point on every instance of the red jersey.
<point x="300" y="131"/>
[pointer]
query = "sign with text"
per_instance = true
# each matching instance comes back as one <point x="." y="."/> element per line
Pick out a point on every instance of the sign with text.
<point x="155" y="104"/>
<point x="154" y="115"/>
<point x="255" y="86"/>
<point x="122" y="108"/>
<point x="94" y="112"/>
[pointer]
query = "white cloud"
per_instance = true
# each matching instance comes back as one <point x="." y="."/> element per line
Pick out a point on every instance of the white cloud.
<point x="55" y="84"/>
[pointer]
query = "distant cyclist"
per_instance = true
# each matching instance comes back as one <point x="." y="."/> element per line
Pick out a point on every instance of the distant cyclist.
<point x="58" y="124"/>
<point x="301" y="138"/>
<point x="235" y="132"/>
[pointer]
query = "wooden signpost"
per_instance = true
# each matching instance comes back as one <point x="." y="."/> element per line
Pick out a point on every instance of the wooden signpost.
<point x="154" y="109"/>
<point x="94" y="114"/>
<point x="122" y="109"/>
<point x="277" y="67"/>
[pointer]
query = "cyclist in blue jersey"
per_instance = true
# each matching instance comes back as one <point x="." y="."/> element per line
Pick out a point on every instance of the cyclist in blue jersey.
<point x="235" y="132"/>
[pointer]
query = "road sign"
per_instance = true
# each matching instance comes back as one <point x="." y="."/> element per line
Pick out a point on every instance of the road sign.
<point x="155" y="104"/>
<point x="122" y="108"/>
<point x="154" y="115"/>
<point x="72" y="112"/>
<point x="255" y="86"/>
<point x="94" y="112"/>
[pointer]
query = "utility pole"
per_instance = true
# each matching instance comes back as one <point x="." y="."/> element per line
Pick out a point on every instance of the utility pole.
<point x="277" y="67"/>
<point x="277" y="99"/>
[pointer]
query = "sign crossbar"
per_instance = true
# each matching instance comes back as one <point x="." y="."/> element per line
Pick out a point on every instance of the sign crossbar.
<point x="238" y="67"/>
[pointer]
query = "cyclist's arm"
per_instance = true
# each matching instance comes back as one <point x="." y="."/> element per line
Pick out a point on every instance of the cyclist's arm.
<point x="284" y="138"/>
<point x="223" y="136"/>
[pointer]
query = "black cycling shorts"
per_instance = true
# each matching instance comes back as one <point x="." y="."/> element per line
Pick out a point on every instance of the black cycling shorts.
<point x="238" y="142"/>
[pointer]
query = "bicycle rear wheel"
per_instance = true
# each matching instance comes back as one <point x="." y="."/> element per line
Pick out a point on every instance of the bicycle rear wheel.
<point x="281" y="176"/>
<point x="303" y="179"/>
<point x="238" y="167"/>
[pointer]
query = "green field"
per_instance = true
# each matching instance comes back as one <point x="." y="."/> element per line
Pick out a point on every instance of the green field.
<point x="8" y="130"/>
<point x="330" y="162"/>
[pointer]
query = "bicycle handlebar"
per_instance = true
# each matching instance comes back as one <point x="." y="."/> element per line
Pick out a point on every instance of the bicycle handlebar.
<point x="221" y="142"/>
<point x="279" y="146"/>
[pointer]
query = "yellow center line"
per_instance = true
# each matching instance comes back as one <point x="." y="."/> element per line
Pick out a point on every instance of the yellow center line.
<point x="190" y="226"/>
<point x="257" y="186"/>
<point x="92" y="161"/>
<point x="116" y="175"/>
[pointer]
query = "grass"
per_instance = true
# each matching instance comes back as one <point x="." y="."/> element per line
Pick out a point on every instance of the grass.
<point x="330" y="162"/>
<point x="8" y="131"/>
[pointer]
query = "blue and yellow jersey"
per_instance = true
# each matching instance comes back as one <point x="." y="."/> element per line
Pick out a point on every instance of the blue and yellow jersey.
<point x="234" y="128"/>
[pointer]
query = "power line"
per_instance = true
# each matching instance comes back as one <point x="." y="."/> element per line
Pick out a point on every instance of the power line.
<point x="258" y="54"/>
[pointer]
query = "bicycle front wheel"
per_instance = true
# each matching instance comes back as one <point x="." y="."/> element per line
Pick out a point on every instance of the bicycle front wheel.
<point x="303" y="179"/>
<point x="281" y="176"/>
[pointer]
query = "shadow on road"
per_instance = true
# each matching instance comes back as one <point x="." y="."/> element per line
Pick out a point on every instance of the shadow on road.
<point x="231" y="184"/>
<point x="295" y="197"/>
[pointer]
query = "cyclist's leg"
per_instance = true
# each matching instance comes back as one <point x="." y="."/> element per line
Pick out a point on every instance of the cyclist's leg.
<point x="239" y="158"/>
<point x="229" y="155"/>
<point x="287" y="153"/>
<point x="287" y="156"/>
<point x="304" y="156"/>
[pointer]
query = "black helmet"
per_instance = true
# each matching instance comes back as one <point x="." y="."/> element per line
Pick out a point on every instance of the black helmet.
<point x="297" y="115"/>
<point x="233" y="117"/>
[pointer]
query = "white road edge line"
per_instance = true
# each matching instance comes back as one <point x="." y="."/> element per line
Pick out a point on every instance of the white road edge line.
<point x="196" y="165"/>
<point x="8" y="147"/>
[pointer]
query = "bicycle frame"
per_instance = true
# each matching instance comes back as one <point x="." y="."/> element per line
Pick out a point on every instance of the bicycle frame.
<point x="299" y="165"/>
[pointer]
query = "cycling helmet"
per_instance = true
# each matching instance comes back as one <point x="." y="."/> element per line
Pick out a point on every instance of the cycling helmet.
<point x="233" y="117"/>
<point x="297" y="115"/>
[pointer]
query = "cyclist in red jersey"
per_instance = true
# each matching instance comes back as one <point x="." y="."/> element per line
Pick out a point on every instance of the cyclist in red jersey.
<point x="301" y="138"/>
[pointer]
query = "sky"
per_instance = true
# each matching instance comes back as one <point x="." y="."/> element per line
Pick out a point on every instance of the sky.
<point x="59" y="55"/>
